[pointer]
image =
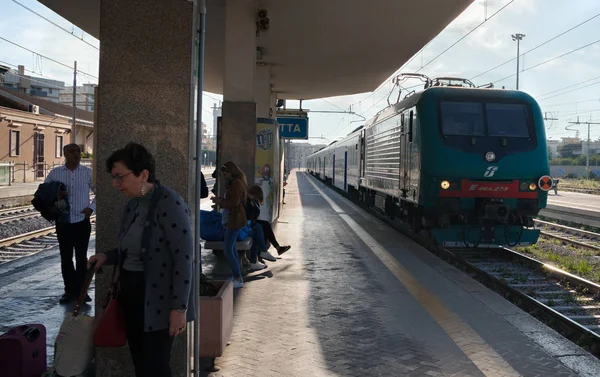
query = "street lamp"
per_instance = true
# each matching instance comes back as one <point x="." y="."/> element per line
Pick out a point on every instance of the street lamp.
<point x="517" y="37"/>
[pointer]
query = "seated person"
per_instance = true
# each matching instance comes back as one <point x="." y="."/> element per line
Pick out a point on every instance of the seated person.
<point x="256" y="193"/>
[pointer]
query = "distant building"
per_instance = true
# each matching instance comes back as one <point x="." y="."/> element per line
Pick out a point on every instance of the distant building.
<point x="28" y="109"/>
<point x="17" y="80"/>
<point x="84" y="97"/>
<point x="298" y="153"/>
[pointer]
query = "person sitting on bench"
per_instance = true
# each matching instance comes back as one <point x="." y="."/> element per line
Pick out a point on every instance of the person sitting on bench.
<point x="256" y="193"/>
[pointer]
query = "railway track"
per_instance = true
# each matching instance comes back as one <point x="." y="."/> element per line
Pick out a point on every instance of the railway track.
<point x="570" y="301"/>
<point x="564" y="302"/>
<point x="574" y="236"/>
<point x="19" y="216"/>
<point x="27" y="244"/>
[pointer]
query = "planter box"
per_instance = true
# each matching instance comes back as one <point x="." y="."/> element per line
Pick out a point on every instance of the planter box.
<point x="216" y="320"/>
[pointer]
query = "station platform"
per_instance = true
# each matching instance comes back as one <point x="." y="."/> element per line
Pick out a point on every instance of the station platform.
<point x="352" y="297"/>
<point x="575" y="200"/>
<point x="574" y="207"/>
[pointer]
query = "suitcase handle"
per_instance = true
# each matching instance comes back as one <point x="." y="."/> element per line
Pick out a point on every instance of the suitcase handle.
<point x="30" y="333"/>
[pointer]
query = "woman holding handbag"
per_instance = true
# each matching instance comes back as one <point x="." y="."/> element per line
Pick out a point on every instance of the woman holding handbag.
<point x="154" y="261"/>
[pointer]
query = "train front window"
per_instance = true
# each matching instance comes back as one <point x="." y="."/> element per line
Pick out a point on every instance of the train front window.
<point x="462" y="119"/>
<point x="507" y="120"/>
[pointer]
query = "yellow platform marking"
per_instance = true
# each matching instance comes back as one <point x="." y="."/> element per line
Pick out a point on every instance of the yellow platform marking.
<point x="487" y="360"/>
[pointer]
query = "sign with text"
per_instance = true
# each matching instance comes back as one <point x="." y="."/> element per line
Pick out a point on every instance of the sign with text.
<point x="293" y="127"/>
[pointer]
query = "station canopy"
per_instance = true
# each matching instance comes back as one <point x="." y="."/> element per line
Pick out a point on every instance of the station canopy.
<point x="316" y="48"/>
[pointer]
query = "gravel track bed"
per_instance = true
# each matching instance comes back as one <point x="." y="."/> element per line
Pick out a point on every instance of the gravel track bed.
<point x="15" y="228"/>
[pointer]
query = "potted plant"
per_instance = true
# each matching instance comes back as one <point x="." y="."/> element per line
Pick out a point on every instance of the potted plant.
<point x="216" y="317"/>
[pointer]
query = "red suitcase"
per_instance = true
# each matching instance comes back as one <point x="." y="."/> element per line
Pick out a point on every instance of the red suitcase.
<point x="23" y="351"/>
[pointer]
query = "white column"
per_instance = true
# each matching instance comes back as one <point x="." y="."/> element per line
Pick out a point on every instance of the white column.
<point x="240" y="51"/>
<point x="262" y="90"/>
<point x="238" y="130"/>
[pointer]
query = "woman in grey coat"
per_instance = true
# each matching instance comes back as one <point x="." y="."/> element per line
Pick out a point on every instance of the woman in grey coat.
<point x="154" y="252"/>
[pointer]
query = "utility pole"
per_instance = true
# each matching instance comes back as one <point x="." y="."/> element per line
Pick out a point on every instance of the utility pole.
<point x="587" y="154"/>
<point x="518" y="37"/>
<point x="73" y="126"/>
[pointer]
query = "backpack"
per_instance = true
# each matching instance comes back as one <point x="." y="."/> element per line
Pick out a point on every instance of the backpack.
<point x="252" y="209"/>
<point x="47" y="201"/>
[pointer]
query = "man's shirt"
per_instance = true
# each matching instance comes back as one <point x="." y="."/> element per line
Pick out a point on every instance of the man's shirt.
<point x="78" y="183"/>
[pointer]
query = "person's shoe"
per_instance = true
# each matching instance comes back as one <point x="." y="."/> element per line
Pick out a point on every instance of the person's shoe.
<point x="65" y="298"/>
<point x="266" y="255"/>
<point x="238" y="283"/>
<point x="257" y="266"/>
<point x="283" y="249"/>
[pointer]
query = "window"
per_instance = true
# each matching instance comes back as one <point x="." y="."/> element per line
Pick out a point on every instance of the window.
<point x="481" y="119"/>
<point x="59" y="146"/>
<point x="15" y="143"/>
<point x="507" y="120"/>
<point x="462" y="118"/>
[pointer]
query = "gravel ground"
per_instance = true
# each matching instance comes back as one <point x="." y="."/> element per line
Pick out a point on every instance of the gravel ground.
<point x="15" y="228"/>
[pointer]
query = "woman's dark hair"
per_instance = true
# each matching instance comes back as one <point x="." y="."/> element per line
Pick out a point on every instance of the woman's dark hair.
<point x="137" y="159"/>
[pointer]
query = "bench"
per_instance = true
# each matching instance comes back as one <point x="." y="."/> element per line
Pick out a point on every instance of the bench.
<point x="241" y="246"/>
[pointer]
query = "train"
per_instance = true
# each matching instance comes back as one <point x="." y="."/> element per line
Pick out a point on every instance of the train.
<point x="469" y="165"/>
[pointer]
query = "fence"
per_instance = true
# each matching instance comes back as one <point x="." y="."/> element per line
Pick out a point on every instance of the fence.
<point x="22" y="172"/>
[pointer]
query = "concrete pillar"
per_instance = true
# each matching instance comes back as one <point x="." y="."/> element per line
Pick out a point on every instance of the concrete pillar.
<point x="262" y="90"/>
<point x="143" y="96"/>
<point x="238" y="127"/>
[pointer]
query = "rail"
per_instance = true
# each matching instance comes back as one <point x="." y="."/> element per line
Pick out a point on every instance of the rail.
<point x="567" y="231"/>
<point x="27" y="244"/>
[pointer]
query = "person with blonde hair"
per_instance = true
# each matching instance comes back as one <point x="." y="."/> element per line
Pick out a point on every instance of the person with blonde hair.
<point x="234" y="215"/>
<point x="256" y="193"/>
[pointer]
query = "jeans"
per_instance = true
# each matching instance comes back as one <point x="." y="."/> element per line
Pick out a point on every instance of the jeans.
<point x="231" y="252"/>
<point x="268" y="232"/>
<point x="258" y="242"/>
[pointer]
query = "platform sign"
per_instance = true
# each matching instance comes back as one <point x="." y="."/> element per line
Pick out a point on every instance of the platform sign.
<point x="293" y="126"/>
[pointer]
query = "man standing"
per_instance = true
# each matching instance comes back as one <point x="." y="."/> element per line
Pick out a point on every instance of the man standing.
<point x="74" y="233"/>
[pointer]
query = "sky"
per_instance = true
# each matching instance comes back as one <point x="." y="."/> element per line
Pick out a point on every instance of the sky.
<point x="566" y="83"/>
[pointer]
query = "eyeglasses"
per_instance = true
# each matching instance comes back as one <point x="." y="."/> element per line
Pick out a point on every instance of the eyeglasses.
<point x="119" y="177"/>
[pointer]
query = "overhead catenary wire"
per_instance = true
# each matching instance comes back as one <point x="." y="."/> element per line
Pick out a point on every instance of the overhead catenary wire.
<point x="466" y="35"/>
<point x="569" y="91"/>
<point x="548" y="61"/>
<point x="45" y="57"/>
<point x="538" y="46"/>
<point x="55" y="24"/>
<point x="570" y="86"/>
<point x="437" y="56"/>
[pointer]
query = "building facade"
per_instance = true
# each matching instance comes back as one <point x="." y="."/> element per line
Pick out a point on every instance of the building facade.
<point x="17" y="80"/>
<point x="32" y="144"/>
<point x="84" y="96"/>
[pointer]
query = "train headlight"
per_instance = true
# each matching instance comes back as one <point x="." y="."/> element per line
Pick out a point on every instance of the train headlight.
<point x="490" y="156"/>
<point x="532" y="186"/>
<point x="445" y="185"/>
